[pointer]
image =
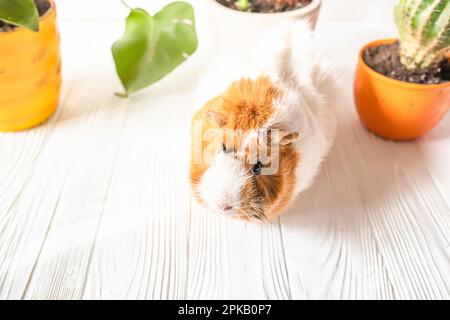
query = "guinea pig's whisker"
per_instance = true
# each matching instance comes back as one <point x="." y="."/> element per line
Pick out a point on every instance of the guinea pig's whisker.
<point x="258" y="210"/>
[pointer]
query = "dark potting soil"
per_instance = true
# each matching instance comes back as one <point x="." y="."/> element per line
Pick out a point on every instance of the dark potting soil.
<point x="385" y="59"/>
<point x="42" y="5"/>
<point x="268" y="6"/>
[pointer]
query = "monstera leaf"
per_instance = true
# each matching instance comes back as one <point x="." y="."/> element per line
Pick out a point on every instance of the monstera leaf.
<point x="21" y="13"/>
<point x="153" y="46"/>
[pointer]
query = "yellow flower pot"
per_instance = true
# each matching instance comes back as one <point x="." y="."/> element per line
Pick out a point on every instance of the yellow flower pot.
<point x="30" y="74"/>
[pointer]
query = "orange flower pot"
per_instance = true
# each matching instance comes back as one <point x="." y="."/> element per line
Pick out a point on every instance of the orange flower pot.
<point x="30" y="76"/>
<point x="394" y="109"/>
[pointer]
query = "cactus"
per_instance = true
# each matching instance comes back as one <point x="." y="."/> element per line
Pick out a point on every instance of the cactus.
<point x="424" y="29"/>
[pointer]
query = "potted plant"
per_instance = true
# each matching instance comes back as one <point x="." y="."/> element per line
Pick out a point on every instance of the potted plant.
<point x="30" y="75"/>
<point x="236" y="23"/>
<point x="402" y="87"/>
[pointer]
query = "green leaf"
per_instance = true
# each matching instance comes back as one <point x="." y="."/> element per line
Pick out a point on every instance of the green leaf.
<point x="22" y="13"/>
<point x="152" y="47"/>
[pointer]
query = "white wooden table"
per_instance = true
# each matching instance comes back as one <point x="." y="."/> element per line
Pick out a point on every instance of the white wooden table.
<point x="96" y="204"/>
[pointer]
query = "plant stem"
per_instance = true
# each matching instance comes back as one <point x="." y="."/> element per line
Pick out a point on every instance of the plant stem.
<point x="121" y="95"/>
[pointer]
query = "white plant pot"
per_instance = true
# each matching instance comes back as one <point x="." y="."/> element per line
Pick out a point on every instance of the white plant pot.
<point x="236" y="30"/>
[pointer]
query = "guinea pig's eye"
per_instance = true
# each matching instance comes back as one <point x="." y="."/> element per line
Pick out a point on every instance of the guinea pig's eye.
<point x="257" y="168"/>
<point x="224" y="147"/>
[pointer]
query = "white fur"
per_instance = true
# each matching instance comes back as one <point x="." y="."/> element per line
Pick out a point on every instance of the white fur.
<point x="222" y="182"/>
<point x="291" y="59"/>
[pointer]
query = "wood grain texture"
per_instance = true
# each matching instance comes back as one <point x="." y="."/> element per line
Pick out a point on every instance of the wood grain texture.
<point x="141" y="247"/>
<point x="95" y="204"/>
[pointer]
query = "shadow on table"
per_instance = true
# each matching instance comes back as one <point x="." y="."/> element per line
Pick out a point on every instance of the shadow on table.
<point x="364" y="176"/>
<point x="88" y="93"/>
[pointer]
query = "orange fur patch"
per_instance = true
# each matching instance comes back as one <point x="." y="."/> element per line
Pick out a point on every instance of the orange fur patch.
<point x="280" y="188"/>
<point x="248" y="103"/>
<point x="245" y="105"/>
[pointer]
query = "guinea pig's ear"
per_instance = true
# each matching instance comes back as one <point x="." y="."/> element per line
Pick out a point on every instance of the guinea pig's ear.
<point x="217" y="117"/>
<point x="285" y="137"/>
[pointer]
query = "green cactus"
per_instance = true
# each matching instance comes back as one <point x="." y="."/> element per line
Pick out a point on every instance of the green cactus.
<point x="424" y="28"/>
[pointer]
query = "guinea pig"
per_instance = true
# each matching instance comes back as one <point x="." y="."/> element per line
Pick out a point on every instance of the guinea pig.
<point x="264" y="126"/>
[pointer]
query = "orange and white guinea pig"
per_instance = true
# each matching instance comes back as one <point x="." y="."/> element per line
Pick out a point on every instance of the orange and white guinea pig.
<point x="265" y="125"/>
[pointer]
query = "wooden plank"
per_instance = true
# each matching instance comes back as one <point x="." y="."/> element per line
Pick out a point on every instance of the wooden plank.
<point x="141" y="247"/>
<point x="22" y="229"/>
<point x="85" y="145"/>
<point x="231" y="259"/>
<point x="91" y="115"/>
